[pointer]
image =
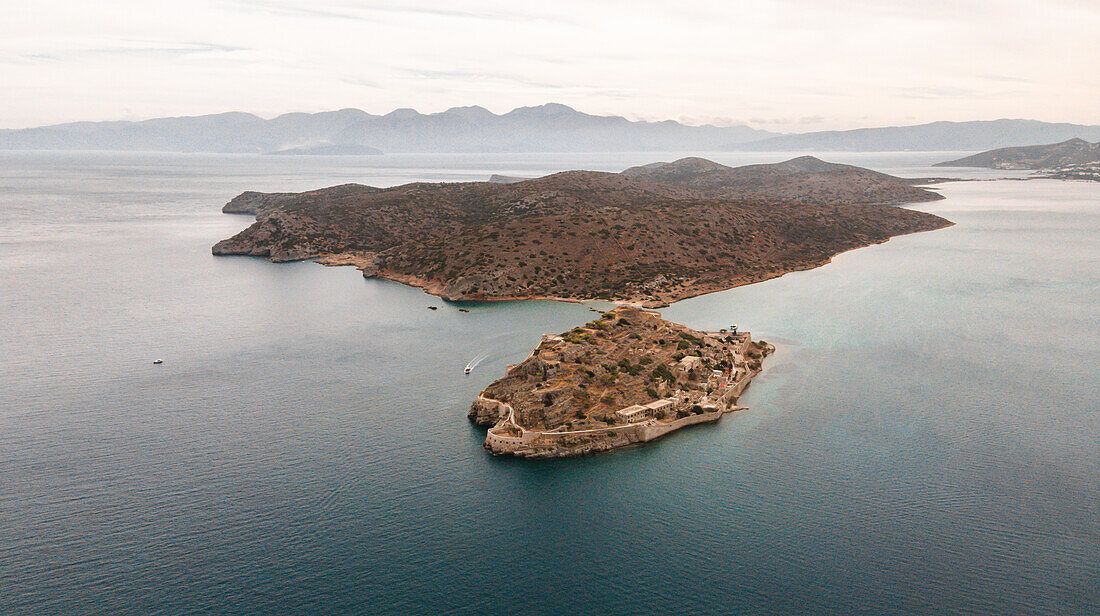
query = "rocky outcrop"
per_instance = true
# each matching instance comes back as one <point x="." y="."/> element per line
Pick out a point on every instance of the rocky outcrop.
<point x="505" y="179"/>
<point x="486" y="412"/>
<point x="628" y="377"/>
<point x="281" y="236"/>
<point x="252" y="202"/>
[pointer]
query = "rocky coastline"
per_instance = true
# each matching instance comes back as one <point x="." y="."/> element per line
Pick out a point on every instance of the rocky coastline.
<point x="628" y="377"/>
<point x="650" y="235"/>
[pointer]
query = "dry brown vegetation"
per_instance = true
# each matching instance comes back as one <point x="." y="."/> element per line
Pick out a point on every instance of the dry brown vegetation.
<point x="628" y="356"/>
<point x="651" y="235"/>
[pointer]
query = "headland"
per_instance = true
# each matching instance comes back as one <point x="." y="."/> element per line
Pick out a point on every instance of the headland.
<point x="1074" y="159"/>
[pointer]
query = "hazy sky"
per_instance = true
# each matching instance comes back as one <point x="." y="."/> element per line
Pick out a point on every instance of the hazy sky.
<point x="785" y="65"/>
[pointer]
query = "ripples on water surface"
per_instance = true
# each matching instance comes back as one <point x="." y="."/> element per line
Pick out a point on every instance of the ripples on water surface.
<point x="924" y="442"/>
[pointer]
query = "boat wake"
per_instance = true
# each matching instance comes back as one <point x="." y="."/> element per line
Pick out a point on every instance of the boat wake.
<point x="474" y="362"/>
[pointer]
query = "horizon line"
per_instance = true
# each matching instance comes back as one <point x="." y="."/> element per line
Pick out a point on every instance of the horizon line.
<point x="733" y="124"/>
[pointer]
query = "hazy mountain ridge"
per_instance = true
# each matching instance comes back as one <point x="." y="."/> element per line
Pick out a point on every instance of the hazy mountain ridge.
<point x="546" y="128"/>
<point x="550" y="127"/>
<point x="931" y="137"/>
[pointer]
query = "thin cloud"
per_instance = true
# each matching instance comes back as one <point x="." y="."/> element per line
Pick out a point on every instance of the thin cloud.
<point x="1005" y="79"/>
<point x="936" y="93"/>
<point x="136" y="48"/>
<point x="363" y="82"/>
<point x="357" y="11"/>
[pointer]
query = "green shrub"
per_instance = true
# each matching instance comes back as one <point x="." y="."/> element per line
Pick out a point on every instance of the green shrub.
<point x="691" y="339"/>
<point x="662" y="372"/>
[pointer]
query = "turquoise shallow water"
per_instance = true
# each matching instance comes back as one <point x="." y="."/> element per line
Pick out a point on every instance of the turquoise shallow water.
<point x="924" y="441"/>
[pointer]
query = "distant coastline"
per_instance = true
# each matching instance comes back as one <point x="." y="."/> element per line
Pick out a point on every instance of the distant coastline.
<point x="1074" y="159"/>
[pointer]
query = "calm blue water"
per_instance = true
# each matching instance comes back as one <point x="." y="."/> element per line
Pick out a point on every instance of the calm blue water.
<point x="924" y="442"/>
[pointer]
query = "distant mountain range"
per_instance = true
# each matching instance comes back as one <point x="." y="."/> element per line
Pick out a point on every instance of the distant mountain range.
<point x="937" y="136"/>
<point x="545" y="128"/>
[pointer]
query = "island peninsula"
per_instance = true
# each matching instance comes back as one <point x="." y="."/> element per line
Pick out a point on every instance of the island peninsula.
<point x="649" y="236"/>
<point x="1075" y="159"/>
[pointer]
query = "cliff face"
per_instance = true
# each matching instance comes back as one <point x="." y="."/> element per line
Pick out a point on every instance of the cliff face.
<point x="1073" y="152"/>
<point x="650" y="237"/>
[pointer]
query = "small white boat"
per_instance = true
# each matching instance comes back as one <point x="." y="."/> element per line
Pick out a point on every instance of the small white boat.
<point x="474" y="362"/>
<point x="158" y="361"/>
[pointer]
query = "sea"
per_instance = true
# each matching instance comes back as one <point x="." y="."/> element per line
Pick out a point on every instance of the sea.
<point x="926" y="440"/>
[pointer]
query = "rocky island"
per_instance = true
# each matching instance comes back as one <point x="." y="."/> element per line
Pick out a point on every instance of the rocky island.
<point x="644" y="237"/>
<point x="628" y="377"/>
<point x="650" y="235"/>
<point x="1075" y="159"/>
